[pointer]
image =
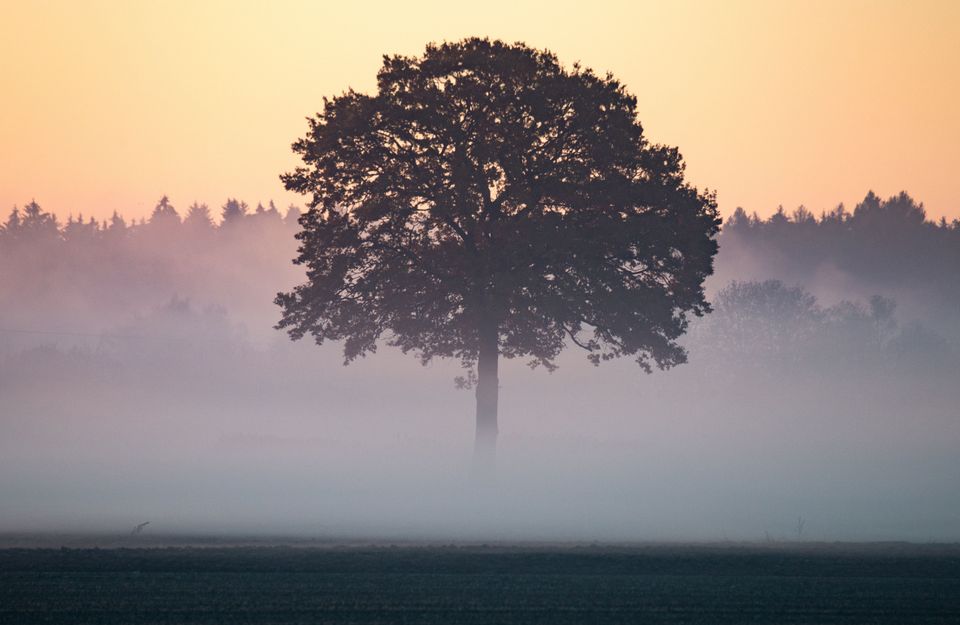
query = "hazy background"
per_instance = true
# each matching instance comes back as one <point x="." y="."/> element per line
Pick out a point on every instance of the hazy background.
<point x="140" y="380"/>
<point x="107" y="105"/>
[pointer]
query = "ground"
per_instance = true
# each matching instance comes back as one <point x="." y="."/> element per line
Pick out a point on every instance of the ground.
<point x="207" y="582"/>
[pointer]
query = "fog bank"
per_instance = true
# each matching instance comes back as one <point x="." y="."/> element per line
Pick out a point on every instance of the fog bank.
<point x="141" y="380"/>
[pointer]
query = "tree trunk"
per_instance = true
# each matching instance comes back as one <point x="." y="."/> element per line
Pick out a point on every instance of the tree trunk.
<point x="487" y="394"/>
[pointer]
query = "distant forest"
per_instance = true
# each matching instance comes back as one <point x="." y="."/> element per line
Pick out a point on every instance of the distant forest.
<point x="105" y="272"/>
<point x="154" y="340"/>
<point x="879" y="283"/>
<point x="885" y="245"/>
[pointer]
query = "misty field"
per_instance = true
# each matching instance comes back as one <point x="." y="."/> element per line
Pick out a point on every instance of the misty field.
<point x="808" y="584"/>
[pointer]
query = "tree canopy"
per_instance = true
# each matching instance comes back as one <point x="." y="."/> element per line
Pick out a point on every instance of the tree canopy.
<point x="487" y="191"/>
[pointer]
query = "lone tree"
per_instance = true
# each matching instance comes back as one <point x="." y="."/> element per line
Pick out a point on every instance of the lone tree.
<point x="487" y="201"/>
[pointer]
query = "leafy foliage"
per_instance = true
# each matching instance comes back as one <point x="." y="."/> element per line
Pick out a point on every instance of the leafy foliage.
<point x="485" y="188"/>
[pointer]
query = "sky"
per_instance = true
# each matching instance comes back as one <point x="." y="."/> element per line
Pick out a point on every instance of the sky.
<point x="108" y="105"/>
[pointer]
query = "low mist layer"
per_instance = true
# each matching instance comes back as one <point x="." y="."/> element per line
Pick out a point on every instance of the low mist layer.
<point x="141" y="379"/>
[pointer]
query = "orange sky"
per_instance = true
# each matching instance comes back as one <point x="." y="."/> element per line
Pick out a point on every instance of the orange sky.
<point x="108" y="105"/>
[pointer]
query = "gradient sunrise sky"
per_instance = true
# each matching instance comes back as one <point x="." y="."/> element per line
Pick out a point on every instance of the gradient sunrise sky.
<point x="108" y="105"/>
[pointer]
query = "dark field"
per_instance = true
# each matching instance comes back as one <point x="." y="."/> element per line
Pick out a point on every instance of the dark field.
<point x="312" y="583"/>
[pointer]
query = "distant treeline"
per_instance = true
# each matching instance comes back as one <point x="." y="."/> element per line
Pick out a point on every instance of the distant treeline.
<point x="888" y="240"/>
<point x="869" y="298"/>
<point x="85" y="275"/>
<point x="882" y="243"/>
<point x="34" y="225"/>
<point x="885" y="240"/>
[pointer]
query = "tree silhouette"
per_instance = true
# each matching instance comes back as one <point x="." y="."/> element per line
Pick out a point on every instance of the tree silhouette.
<point x="198" y="218"/>
<point x="292" y="218"/>
<point x="762" y="321"/>
<point x="897" y="212"/>
<point x="10" y="230"/>
<point x="117" y="223"/>
<point x="35" y="225"/>
<point x="487" y="201"/>
<point x="164" y="215"/>
<point x="233" y="211"/>
<point x="270" y="214"/>
<point x="81" y="233"/>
